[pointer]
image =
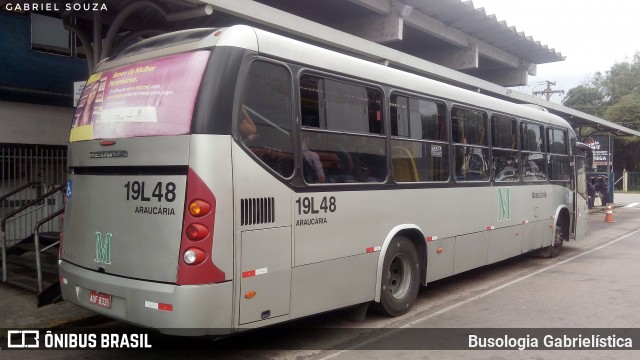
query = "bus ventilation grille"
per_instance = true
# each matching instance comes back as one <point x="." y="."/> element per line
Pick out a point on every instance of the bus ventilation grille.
<point x="257" y="211"/>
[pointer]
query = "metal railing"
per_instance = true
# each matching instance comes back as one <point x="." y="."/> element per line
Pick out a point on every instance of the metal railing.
<point x="36" y="231"/>
<point x="5" y="218"/>
<point x="27" y="167"/>
<point x="630" y="181"/>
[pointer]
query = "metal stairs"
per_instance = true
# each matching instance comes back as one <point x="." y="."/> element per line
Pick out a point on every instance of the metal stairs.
<point x="32" y="261"/>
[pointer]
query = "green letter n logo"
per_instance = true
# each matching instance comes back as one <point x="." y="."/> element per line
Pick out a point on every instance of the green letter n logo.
<point x="504" y="204"/>
<point x="103" y="249"/>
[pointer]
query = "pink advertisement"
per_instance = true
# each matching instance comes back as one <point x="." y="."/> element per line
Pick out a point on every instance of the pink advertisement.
<point x="154" y="97"/>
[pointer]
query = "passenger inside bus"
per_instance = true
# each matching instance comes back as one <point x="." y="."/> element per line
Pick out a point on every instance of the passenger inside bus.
<point x="312" y="166"/>
<point x="247" y="127"/>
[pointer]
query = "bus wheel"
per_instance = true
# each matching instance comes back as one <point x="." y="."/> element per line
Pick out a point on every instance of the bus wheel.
<point x="558" y="240"/>
<point x="400" y="278"/>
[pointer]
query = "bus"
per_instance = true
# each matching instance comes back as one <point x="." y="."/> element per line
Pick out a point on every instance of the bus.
<point x="228" y="179"/>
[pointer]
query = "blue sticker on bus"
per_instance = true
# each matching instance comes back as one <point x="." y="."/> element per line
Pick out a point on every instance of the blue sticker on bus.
<point x="68" y="193"/>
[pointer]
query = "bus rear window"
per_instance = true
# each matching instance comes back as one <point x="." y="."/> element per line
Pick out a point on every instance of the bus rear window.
<point x="154" y="97"/>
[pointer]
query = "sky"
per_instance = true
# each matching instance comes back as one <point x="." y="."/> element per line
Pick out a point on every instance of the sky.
<point x="592" y="35"/>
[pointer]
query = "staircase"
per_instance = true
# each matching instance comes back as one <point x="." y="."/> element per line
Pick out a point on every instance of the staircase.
<point x="30" y="242"/>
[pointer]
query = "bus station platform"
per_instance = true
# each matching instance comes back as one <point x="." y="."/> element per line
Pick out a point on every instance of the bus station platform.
<point x="19" y="311"/>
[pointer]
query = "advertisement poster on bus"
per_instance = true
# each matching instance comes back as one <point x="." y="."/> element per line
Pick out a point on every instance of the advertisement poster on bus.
<point x="154" y="97"/>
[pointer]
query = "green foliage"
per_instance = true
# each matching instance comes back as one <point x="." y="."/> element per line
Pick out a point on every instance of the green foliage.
<point x="615" y="96"/>
<point x="623" y="79"/>
<point x="587" y="99"/>
<point x="625" y="111"/>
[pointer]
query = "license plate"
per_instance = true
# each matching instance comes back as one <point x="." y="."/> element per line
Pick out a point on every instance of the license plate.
<point x="100" y="299"/>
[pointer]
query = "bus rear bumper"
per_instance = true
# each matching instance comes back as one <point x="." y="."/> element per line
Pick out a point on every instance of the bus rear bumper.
<point x="192" y="310"/>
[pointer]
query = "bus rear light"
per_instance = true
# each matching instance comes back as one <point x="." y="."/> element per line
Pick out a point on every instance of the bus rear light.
<point x="197" y="232"/>
<point x="199" y="208"/>
<point x="197" y="246"/>
<point x="194" y="256"/>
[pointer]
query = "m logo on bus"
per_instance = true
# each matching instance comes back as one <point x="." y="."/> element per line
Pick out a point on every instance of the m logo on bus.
<point x="504" y="204"/>
<point x="103" y="248"/>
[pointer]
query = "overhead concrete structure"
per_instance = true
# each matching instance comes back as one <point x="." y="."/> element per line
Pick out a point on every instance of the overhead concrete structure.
<point x="448" y="40"/>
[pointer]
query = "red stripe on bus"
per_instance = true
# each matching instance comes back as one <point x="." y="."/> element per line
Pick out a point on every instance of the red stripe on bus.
<point x="249" y="273"/>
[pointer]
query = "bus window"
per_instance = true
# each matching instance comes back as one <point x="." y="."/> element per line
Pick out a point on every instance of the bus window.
<point x="532" y="137"/>
<point x="469" y="129"/>
<point x="412" y="158"/>
<point x="265" y="121"/>
<point x="557" y="140"/>
<point x="534" y="162"/>
<point x="505" y="148"/>
<point x="559" y="160"/>
<point x="358" y="155"/>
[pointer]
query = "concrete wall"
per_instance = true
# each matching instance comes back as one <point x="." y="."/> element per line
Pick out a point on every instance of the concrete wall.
<point x="22" y="123"/>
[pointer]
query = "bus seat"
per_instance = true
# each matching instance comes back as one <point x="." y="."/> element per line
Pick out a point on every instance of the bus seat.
<point x="404" y="167"/>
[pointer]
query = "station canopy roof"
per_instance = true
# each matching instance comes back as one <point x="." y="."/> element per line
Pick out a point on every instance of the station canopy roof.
<point x="448" y="40"/>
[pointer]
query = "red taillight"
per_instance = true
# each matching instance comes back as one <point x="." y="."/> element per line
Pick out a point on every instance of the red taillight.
<point x="195" y="265"/>
<point x="197" y="232"/>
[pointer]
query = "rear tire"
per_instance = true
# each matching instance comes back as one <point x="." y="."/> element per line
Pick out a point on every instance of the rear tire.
<point x="400" y="278"/>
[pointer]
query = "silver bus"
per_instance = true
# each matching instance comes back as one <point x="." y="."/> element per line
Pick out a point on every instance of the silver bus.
<point x="227" y="179"/>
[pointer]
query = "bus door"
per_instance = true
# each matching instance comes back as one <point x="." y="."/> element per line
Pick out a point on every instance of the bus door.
<point x="580" y="203"/>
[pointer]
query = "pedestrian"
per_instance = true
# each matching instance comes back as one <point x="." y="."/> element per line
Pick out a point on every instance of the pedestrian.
<point x="604" y="189"/>
<point x="591" y="192"/>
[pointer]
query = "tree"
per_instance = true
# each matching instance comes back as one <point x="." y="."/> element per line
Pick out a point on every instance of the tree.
<point x="622" y="79"/>
<point x="587" y="99"/>
<point x="614" y="96"/>
<point x="625" y="111"/>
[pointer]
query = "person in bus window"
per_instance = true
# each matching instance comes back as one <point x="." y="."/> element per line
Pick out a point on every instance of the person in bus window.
<point x="312" y="167"/>
<point x="247" y="127"/>
<point x="374" y="112"/>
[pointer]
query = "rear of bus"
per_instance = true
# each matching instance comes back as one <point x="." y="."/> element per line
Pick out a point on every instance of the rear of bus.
<point x="149" y="165"/>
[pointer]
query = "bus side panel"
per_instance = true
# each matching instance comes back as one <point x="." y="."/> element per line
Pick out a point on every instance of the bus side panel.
<point x="361" y="219"/>
<point x="471" y="251"/>
<point x="534" y="207"/>
<point x="333" y="284"/>
<point x="262" y="208"/>
<point x="440" y="265"/>
<point x="505" y="243"/>
<point x="266" y="274"/>
<point x="210" y="158"/>
<point x="507" y="211"/>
